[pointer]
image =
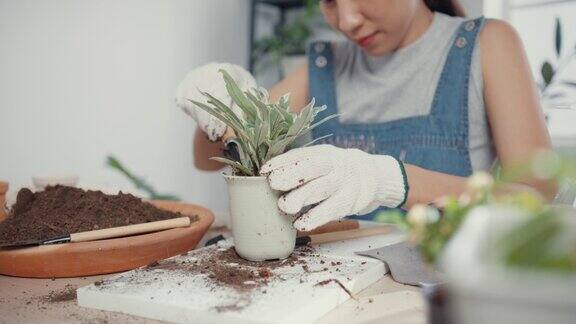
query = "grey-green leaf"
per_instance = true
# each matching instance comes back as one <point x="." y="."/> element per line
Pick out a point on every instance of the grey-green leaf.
<point x="233" y="164"/>
<point x="547" y="73"/>
<point x="265" y="129"/>
<point x="558" y="42"/>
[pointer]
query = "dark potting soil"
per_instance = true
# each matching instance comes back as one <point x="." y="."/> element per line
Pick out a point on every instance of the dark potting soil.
<point x="67" y="294"/>
<point x="62" y="210"/>
<point x="224" y="268"/>
<point x="227" y="268"/>
<point x="325" y="282"/>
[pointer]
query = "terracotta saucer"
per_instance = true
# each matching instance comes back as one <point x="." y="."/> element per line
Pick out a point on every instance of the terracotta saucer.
<point x="107" y="256"/>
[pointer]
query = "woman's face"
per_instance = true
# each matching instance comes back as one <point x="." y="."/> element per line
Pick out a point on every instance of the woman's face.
<point x="378" y="26"/>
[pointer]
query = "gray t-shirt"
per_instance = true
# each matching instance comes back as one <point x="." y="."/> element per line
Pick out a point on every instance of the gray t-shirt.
<point x="402" y="84"/>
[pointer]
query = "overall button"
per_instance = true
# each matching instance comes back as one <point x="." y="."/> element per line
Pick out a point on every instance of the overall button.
<point x="319" y="47"/>
<point x="461" y="42"/>
<point x="321" y="61"/>
<point x="470" y="26"/>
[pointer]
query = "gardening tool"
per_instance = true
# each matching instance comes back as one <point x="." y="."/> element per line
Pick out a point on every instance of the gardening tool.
<point x="231" y="150"/>
<point x="108" y="233"/>
<point x="342" y="235"/>
<point x="406" y="264"/>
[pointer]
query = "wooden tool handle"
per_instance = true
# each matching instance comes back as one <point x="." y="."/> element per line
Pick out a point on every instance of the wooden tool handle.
<point x="130" y="230"/>
<point x="334" y="226"/>
<point x="351" y="234"/>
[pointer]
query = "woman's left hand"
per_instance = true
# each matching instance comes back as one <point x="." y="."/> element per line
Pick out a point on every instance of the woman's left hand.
<point x="342" y="182"/>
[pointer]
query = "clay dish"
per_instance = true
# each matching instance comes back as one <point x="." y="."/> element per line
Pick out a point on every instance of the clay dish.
<point x="107" y="256"/>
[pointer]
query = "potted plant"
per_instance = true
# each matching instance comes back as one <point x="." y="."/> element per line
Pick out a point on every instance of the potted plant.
<point x="506" y="256"/>
<point x="264" y="130"/>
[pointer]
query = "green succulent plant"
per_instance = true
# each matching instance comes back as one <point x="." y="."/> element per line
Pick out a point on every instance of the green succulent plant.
<point x="265" y="129"/>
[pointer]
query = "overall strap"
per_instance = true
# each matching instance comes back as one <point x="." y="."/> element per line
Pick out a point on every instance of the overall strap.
<point x="451" y="99"/>
<point x="322" y="86"/>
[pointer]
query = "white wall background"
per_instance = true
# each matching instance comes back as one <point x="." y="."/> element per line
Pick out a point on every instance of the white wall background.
<point x="535" y="22"/>
<point x="473" y="7"/>
<point x="536" y="26"/>
<point x="82" y="79"/>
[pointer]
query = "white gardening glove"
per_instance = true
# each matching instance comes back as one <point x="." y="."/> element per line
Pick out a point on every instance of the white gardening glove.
<point x="207" y="78"/>
<point x="343" y="181"/>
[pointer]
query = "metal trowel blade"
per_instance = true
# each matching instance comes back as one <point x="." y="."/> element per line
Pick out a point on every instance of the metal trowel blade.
<point x="26" y="243"/>
<point x="232" y="150"/>
<point x="406" y="264"/>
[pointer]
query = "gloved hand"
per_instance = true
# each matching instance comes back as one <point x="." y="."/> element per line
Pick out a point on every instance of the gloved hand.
<point x="343" y="181"/>
<point x="207" y="78"/>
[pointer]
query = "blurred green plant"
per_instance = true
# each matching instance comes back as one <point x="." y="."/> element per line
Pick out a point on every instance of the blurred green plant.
<point x="531" y="245"/>
<point x="551" y="70"/>
<point x="265" y="129"/>
<point x="431" y="228"/>
<point x="535" y="244"/>
<point x="138" y="182"/>
<point x="290" y="39"/>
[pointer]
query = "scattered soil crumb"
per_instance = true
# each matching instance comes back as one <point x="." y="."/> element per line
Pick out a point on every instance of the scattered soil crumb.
<point x="325" y="282"/>
<point x="68" y="294"/>
<point x="226" y="268"/>
<point x="229" y="308"/>
<point x="264" y="273"/>
<point x="153" y="264"/>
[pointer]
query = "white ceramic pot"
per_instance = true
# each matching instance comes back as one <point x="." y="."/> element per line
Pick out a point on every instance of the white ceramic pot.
<point x="483" y="290"/>
<point x="261" y="231"/>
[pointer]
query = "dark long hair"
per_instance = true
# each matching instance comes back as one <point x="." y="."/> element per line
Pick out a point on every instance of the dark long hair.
<point x="449" y="7"/>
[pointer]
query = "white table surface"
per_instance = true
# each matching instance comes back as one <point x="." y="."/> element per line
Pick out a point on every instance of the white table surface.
<point x="25" y="301"/>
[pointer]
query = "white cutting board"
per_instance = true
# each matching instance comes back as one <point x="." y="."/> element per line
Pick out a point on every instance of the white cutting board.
<point x="180" y="297"/>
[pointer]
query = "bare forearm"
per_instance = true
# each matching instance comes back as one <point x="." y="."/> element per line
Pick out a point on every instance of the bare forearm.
<point x="204" y="150"/>
<point x="427" y="186"/>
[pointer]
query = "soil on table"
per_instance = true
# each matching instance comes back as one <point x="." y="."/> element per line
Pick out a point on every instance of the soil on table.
<point x="62" y="210"/>
<point x="65" y="295"/>
<point x="227" y="274"/>
<point x="226" y="268"/>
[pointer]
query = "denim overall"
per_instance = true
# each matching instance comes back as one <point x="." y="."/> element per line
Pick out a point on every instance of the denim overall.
<point x="438" y="141"/>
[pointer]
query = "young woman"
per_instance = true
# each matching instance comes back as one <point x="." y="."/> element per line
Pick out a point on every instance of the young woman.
<point x="425" y="97"/>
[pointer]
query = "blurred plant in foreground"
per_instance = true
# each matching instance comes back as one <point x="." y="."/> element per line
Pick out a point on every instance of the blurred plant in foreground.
<point x="534" y="244"/>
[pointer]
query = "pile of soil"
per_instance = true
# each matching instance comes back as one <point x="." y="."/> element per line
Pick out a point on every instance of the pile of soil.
<point x="65" y="295"/>
<point x="62" y="210"/>
<point x="224" y="268"/>
<point x="227" y="268"/>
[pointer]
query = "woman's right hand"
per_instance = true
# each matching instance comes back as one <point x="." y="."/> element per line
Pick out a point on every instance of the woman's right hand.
<point x="207" y="78"/>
